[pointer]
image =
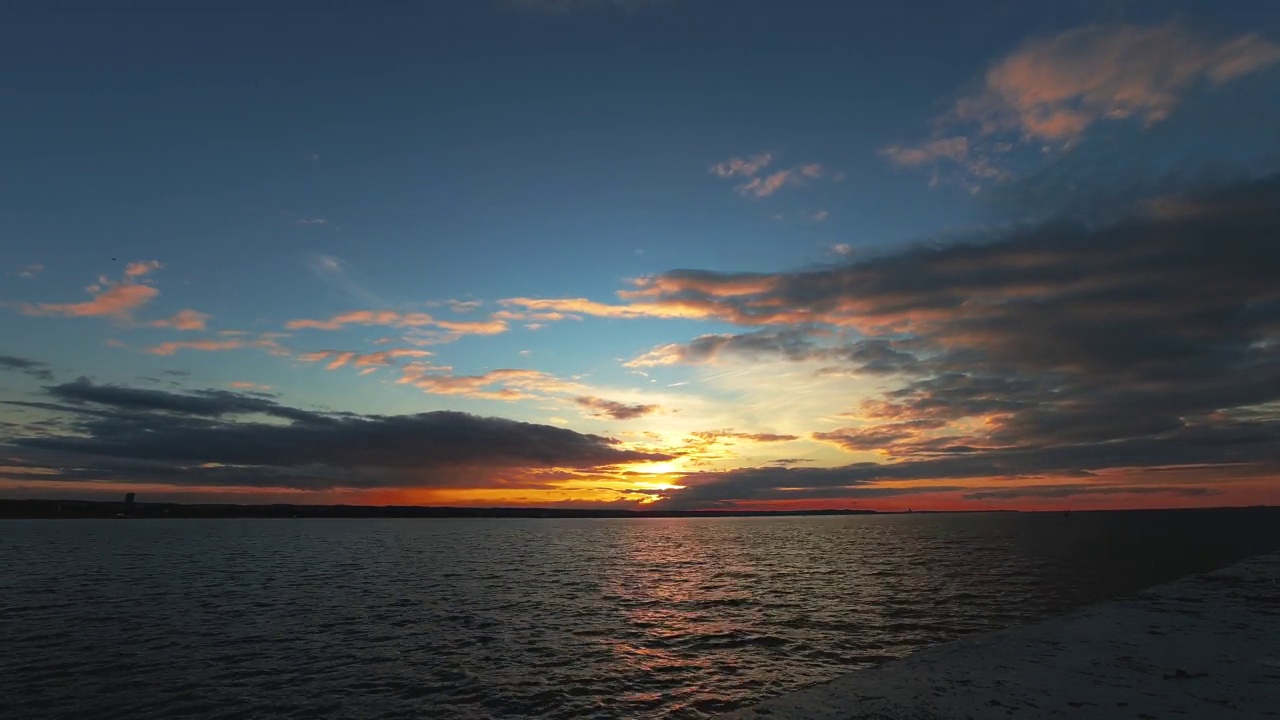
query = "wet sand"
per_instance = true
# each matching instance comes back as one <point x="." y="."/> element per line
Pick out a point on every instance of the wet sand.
<point x="1206" y="646"/>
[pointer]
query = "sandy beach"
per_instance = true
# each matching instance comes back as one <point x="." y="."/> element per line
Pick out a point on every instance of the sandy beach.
<point x="1206" y="646"/>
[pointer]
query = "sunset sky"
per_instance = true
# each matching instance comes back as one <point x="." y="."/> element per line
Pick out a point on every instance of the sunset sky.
<point x="677" y="254"/>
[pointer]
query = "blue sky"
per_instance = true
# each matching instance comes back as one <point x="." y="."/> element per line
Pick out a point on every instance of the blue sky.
<point x="264" y="165"/>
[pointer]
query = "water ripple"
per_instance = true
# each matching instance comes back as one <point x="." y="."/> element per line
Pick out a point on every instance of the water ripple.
<point x="536" y="618"/>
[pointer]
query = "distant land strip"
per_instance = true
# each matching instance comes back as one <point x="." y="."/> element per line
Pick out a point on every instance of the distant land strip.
<point x="89" y="509"/>
<point x="71" y="509"/>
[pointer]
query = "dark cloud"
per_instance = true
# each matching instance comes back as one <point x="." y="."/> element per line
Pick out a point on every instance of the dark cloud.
<point x="1063" y="347"/>
<point x="1249" y="446"/>
<point x="34" y="368"/>
<point x="614" y="409"/>
<point x="876" y="437"/>
<point x="205" y="403"/>
<point x="876" y="356"/>
<point x="208" y="437"/>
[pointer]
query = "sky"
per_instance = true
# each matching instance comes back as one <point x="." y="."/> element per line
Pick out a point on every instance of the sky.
<point x="661" y="254"/>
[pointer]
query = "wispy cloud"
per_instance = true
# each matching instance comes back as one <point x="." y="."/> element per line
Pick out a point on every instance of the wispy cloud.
<point x="246" y="385"/>
<point x="955" y="149"/>
<point x="139" y="269"/>
<point x="261" y="343"/>
<point x="184" y="320"/>
<point x="1055" y="88"/>
<point x="336" y="273"/>
<point x="1050" y="91"/>
<point x="369" y="361"/>
<point x="506" y="384"/>
<point x="421" y="328"/>
<point x="30" y="271"/>
<point x="35" y="368"/>
<point x="757" y="185"/>
<point x="742" y="167"/>
<point x="600" y="407"/>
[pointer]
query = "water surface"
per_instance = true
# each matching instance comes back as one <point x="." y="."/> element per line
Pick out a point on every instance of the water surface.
<point x="507" y="618"/>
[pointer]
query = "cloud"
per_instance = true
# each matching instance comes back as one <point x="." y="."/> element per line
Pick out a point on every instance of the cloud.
<point x="1055" y="88"/>
<point x="184" y="320"/>
<point x="30" y="271"/>
<point x="442" y="330"/>
<point x="714" y="435"/>
<point x="794" y="344"/>
<point x="246" y="385"/>
<point x="955" y="149"/>
<point x="761" y="186"/>
<point x="311" y="221"/>
<point x="336" y="273"/>
<point x="880" y="436"/>
<point x="742" y="167"/>
<point x="769" y="184"/>
<point x="262" y="343"/>
<point x="209" y="437"/>
<point x="506" y="384"/>
<point x="117" y="301"/>
<point x="1051" y="91"/>
<point x="614" y="409"/>
<point x="112" y="299"/>
<point x="368" y="361"/>
<point x="141" y="268"/>
<point x="465" y="306"/>
<point x="34" y="368"/>
<point x="205" y="403"/>
<point x="1053" y="348"/>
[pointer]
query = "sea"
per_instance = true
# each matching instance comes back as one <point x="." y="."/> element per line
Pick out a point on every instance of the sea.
<point x="539" y="618"/>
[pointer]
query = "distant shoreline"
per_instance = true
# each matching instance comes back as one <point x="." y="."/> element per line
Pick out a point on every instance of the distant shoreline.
<point x="37" y="509"/>
<point x="90" y="509"/>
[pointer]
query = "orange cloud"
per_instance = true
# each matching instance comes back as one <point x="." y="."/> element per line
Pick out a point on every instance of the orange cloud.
<point x="370" y="362"/>
<point x="364" y="317"/>
<point x="711" y="284"/>
<point x="184" y="320"/>
<point x="1051" y="91"/>
<point x="170" y="348"/>
<point x="483" y="327"/>
<point x="1054" y="88"/>
<point x="391" y="318"/>
<point x="245" y="385"/>
<point x="386" y="357"/>
<point x="769" y="184"/>
<point x="138" y="269"/>
<point x="742" y="167"/>
<point x="955" y="149"/>
<point x="340" y="359"/>
<point x="117" y="301"/>
<point x="505" y="384"/>
<point x="584" y="306"/>
<point x="262" y="343"/>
